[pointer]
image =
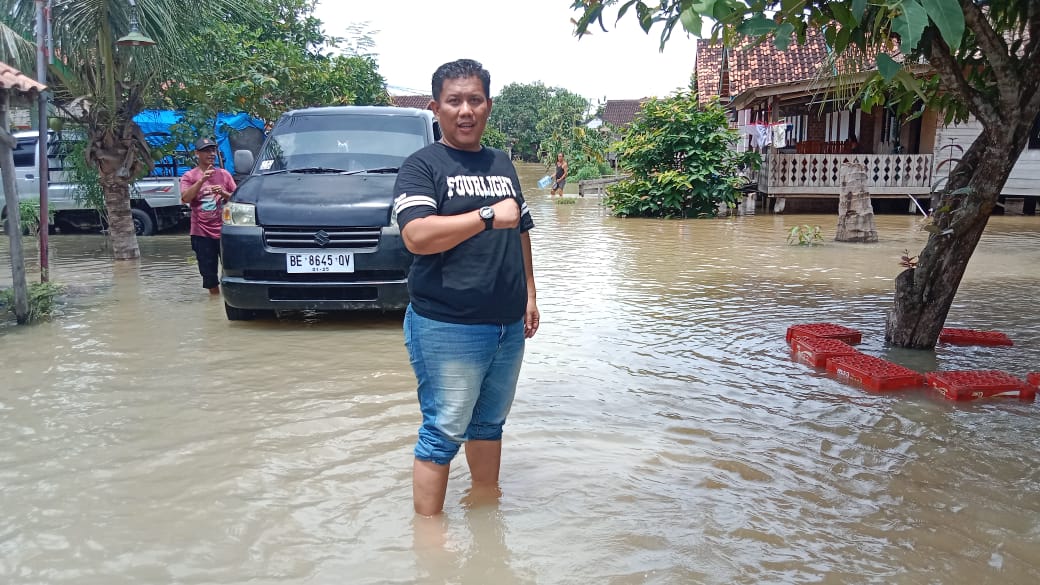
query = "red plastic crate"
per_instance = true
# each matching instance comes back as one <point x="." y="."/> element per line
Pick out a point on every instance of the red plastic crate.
<point x="825" y="330"/>
<point x="973" y="337"/>
<point x="873" y="373"/>
<point x="976" y="384"/>
<point x="1034" y="380"/>
<point x="815" y="351"/>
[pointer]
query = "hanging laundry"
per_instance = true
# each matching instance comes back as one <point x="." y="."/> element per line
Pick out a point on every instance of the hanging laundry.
<point x="765" y="135"/>
<point x="779" y="135"/>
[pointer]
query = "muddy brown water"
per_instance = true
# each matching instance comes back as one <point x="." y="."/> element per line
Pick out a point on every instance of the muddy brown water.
<point x="661" y="432"/>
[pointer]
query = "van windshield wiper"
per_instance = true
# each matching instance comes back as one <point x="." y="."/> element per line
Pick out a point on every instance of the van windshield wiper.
<point x="319" y="170"/>
<point x="316" y="170"/>
<point x="375" y="170"/>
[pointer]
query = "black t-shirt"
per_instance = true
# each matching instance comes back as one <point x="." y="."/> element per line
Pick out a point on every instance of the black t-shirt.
<point x="482" y="279"/>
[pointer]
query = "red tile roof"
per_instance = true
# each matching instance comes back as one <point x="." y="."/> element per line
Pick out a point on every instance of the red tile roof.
<point x="412" y="101"/>
<point x="620" y="113"/>
<point x="752" y="65"/>
<point x="11" y="78"/>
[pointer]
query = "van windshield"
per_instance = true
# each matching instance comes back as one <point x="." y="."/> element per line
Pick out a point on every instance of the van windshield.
<point x="348" y="143"/>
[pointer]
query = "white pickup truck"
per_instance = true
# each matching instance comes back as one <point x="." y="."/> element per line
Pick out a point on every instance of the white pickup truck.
<point x="155" y="201"/>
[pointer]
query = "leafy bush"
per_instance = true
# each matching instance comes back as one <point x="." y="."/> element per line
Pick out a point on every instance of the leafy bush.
<point x="83" y="176"/>
<point x="494" y="138"/>
<point x="680" y="161"/>
<point x="29" y="216"/>
<point x="589" y="171"/>
<point x="43" y="299"/>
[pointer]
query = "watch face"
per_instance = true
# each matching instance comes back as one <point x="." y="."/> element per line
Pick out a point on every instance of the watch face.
<point x="487" y="212"/>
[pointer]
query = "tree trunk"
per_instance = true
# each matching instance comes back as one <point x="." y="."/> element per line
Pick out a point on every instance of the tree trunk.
<point x="14" y="225"/>
<point x="855" y="212"/>
<point x="116" y="162"/>
<point x="121" y="230"/>
<point x="924" y="295"/>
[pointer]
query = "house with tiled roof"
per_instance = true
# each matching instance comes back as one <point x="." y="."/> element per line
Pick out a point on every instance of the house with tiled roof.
<point x="783" y="102"/>
<point x="615" y="117"/>
<point x="725" y="72"/>
<point x="620" y="113"/>
<point x="421" y="102"/>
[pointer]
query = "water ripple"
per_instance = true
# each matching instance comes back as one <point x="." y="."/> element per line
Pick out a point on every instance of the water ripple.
<point x="662" y="432"/>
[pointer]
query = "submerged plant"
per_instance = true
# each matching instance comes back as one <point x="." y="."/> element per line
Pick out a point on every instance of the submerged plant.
<point x="29" y="216"/>
<point x="43" y="299"/>
<point x="908" y="261"/>
<point x="805" y="235"/>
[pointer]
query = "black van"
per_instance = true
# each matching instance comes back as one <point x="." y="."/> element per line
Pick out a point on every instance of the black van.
<point x="312" y="226"/>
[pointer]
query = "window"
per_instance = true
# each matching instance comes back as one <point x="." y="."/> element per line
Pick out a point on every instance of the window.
<point x="25" y="152"/>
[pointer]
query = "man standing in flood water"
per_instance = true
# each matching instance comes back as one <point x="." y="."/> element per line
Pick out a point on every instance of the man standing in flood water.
<point x="472" y="288"/>
<point x="206" y="188"/>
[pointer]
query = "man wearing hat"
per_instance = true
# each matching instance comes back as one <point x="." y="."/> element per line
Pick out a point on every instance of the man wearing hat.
<point x="206" y="188"/>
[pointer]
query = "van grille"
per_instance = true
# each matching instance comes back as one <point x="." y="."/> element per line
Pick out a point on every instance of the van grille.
<point x="329" y="238"/>
<point x="383" y="276"/>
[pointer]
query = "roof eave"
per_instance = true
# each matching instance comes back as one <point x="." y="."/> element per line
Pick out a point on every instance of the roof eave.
<point x="804" y="87"/>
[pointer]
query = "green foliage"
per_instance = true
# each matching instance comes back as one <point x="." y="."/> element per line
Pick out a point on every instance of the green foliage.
<point x="84" y="177"/>
<point x="494" y="138"/>
<point x="540" y="121"/>
<point x="515" y="113"/>
<point x="805" y="235"/>
<point x="533" y="115"/>
<point x="679" y="159"/>
<point x="284" y="62"/>
<point x="29" y="216"/>
<point x="43" y="299"/>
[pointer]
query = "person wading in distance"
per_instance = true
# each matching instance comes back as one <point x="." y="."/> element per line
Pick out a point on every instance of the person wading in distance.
<point x="560" y="178"/>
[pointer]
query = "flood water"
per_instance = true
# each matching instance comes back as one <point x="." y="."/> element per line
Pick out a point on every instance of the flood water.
<point x="661" y="432"/>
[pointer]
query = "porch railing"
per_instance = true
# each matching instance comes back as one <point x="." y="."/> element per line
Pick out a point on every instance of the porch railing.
<point x="820" y="174"/>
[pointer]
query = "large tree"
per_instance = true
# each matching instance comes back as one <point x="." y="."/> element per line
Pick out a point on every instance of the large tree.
<point x="984" y="58"/>
<point x="283" y="60"/>
<point x="530" y="113"/>
<point x="103" y="85"/>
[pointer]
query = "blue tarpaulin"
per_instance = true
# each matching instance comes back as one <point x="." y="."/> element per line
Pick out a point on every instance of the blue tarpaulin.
<point x="155" y="124"/>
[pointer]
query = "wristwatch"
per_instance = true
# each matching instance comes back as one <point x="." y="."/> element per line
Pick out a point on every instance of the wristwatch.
<point x="488" y="215"/>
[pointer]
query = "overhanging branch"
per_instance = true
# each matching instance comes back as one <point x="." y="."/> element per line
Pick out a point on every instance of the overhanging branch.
<point x="994" y="49"/>
<point x="1032" y="28"/>
<point x="951" y="73"/>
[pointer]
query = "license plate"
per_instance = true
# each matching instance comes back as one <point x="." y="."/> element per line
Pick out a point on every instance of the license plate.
<point x="319" y="262"/>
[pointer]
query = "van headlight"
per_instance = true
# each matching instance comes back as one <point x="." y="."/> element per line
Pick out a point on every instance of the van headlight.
<point x="239" y="213"/>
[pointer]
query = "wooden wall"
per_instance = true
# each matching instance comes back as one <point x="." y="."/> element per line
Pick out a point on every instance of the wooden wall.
<point x="1025" y="176"/>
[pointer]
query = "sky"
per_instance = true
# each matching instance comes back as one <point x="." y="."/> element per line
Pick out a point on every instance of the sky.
<point x="517" y="41"/>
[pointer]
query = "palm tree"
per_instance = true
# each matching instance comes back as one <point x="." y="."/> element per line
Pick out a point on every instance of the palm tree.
<point x="103" y="85"/>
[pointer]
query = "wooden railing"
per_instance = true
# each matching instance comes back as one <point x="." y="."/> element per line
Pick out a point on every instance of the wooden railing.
<point x="820" y="174"/>
<point x="597" y="186"/>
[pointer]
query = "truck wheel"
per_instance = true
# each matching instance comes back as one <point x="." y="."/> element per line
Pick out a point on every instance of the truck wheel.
<point x="143" y="224"/>
<point x="236" y="314"/>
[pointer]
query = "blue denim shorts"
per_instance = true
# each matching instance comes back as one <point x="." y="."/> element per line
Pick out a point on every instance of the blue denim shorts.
<point x="467" y="379"/>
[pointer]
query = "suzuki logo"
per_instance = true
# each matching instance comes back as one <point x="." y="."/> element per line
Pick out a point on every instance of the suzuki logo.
<point x="322" y="238"/>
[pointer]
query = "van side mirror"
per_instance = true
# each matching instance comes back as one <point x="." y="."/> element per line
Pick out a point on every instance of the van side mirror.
<point x="243" y="161"/>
